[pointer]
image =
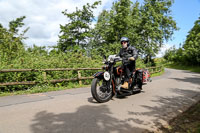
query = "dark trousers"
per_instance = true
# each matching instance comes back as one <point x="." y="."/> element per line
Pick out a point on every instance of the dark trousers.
<point x="128" y="68"/>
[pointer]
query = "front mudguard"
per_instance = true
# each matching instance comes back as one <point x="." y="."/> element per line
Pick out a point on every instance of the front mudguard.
<point x="98" y="75"/>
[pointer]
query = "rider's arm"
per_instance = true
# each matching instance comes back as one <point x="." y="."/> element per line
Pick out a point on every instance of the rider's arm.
<point x="134" y="54"/>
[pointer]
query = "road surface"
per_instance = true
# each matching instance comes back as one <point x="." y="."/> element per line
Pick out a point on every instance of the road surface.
<point x="75" y="111"/>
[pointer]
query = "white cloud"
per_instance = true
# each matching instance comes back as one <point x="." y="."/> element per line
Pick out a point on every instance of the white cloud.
<point x="163" y="49"/>
<point x="42" y="16"/>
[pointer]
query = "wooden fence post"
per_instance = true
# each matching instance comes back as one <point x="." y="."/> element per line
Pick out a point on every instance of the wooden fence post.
<point x="79" y="78"/>
<point x="44" y="76"/>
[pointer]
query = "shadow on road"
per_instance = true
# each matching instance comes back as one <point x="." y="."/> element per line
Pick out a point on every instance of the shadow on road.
<point x="91" y="100"/>
<point x="167" y="107"/>
<point x="87" y="119"/>
<point x="194" y="80"/>
<point x="99" y="119"/>
<point x="122" y="96"/>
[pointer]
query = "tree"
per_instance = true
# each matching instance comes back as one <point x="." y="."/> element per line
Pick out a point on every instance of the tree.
<point x="38" y="50"/>
<point x="15" y="24"/>
<point x="11" y="44"/>
<point x="111" y="26"/>
<point x="147" y="26"/>
<point x="192" y="44"/>
<point x="157" y="25"/>
<point x="76" y="33"/>
<point x="134" y="30"/>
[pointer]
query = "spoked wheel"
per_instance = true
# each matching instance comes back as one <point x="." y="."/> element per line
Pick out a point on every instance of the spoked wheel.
<point x="99" y="90"/>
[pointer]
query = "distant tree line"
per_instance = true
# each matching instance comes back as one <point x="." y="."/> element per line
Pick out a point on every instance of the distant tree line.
<point x="189" y="53"/>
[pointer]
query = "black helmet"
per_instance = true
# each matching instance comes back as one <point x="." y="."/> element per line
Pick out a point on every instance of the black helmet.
<point x="124" y="39"/>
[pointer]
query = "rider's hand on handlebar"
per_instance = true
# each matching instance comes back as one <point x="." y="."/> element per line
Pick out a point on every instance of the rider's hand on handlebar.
<point x="131" y="58"/>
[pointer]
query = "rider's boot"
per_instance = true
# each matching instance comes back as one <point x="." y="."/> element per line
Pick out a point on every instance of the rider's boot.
<point x="140" y="86"/>
<point x="125" y="85"/>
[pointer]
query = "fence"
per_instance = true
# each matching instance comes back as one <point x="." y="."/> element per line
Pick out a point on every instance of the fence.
<point x="44" y="73"/>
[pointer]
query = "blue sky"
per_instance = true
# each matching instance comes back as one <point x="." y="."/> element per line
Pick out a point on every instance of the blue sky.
<point x="185" y="13"/>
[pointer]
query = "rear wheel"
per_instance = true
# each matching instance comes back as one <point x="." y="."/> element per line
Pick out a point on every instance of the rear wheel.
<point x="100" y="91"/>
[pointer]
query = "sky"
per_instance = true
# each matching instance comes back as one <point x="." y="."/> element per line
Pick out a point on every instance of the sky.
<point x="44" y="18"/>
<point x="185" y="13"/>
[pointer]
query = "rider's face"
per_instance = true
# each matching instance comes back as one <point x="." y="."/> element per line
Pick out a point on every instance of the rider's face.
<point x="124" y="44"/>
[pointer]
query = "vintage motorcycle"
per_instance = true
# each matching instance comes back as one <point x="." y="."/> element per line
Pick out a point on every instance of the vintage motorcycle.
<point x="108" y="83"/>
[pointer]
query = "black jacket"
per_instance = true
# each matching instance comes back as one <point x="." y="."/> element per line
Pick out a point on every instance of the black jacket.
<point x="130" y="51"/>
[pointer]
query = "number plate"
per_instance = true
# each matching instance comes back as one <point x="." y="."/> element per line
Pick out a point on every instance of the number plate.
<point x="106" y="76"/>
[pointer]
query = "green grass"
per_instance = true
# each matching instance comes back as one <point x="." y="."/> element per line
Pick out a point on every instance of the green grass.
<point x="187" y="122"/>
<point x="158" y="74"/>
<point x="41" y="89"/>
<point x="183" y="67"/>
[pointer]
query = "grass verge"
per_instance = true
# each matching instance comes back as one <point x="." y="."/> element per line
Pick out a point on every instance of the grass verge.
<point x="157" y="74"/>
<point x="41" y="89"/>
<point x="183" y="67"/>
<point x="187" y="122"/>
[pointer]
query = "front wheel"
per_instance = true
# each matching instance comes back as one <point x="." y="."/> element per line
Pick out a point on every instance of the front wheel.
<point x="100" y="90"/>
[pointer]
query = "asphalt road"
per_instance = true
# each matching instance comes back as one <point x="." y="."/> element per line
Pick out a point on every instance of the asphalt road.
<point x="75" y="111"/>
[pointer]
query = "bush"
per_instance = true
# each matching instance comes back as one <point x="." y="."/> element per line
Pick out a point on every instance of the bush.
<point x="54" y="59"/>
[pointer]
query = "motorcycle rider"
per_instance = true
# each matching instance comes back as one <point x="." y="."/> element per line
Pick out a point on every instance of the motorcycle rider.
<point x="130" y="54"/>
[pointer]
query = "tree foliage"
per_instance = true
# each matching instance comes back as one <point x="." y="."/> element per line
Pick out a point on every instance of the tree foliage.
<point x="188" y="54"/>
<point x="192" y="44"/>
<point x="156" y="26"/>
<point x="11" y="44"/>
<point x="76" y="33"/>
<point x="146" y="25"/>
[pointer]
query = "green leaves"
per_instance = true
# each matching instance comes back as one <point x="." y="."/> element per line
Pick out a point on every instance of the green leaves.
<point x="192" y="44"/>
<point x="157" y="24"/>
<point x="11" y="45"/>
<point x="189" y="54"/>
<point x="147" y="25"/>
<point x="15" y="24"/>
<point x="77" y="31"/>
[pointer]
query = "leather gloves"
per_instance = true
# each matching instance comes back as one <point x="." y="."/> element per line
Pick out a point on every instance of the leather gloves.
<point x="131" y="58"/>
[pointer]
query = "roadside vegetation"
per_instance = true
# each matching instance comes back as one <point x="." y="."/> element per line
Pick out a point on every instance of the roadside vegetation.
<point x="186" y="57"/>
<point x="183" y="67"/>
<point x="187" y="122"/>
<point x="85" y="46"/>
<point x="146" y="24"/>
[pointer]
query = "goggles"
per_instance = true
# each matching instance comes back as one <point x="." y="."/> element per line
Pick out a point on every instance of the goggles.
<point x="124" y="42"/>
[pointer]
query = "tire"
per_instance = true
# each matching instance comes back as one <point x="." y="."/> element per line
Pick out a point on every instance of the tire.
<point x="94" y="91"/>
